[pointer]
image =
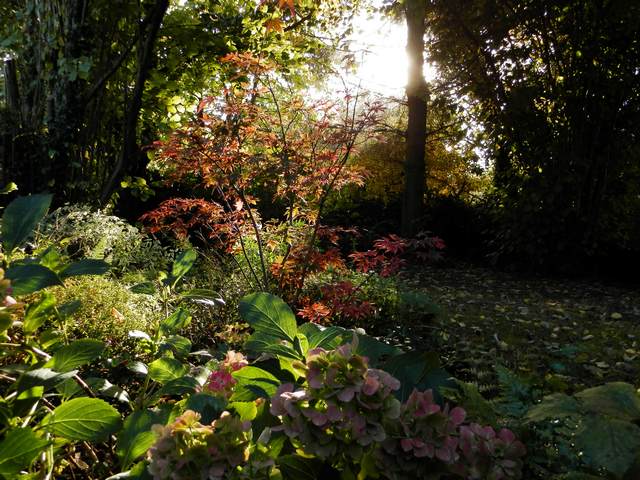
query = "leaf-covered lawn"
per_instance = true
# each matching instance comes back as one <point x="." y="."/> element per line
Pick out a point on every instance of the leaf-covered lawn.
<point x="569" y="333"/>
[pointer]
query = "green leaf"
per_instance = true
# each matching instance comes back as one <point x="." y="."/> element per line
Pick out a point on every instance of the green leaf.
<point x="208" y="406"/>
<point x="269" y="315"/>
<point x="19" y="448"/>
<point x="8" y="188"/>
<point x="51" y="259"/>
<point x="245" y="410"/>
<point x="106" y="389"/>
<point x="467" y="396"/>
<point x="21" y="217"/>
<point x="253" y="383"/>
<point x="138" y="367"/>
<point x="295" y="467"/>
<point x="182" y="265"/>
<point x="44" y="377"/>
<point x="31" y="277"/>
<point x="301" y="344"/>
<point x="76" y="354"/>
<point x="178" y="319"/>
<point x="328" y="338"/>
<point x="5" y="321"/>
<point x="89" y="419"/>
<point x="69" y="308"/>
<point x="179" y="386"/>
<point x="608" y="443"/>
<point x="374" y="349"/>
<point x="616" y="399"/>
<point x="180" y="345"/>
<point x="37" y="313"/>
<point x="165" y="369"/>
<point x="148" y="288"/>
<point x="86" y="266"/>
<point x="417" y="370"/>
<point x="261" y="343"/>
<point x="138" y="471"/>
<point x="136" y="436"/>
<point x="553" y="407"/>
<point x="204" y="296"/>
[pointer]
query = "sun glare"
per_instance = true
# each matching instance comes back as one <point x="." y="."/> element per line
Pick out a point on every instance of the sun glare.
<point x="379" y="46"/>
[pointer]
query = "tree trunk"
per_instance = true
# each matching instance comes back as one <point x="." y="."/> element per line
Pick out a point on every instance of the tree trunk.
<point x="127" y="159"/>
<point x="414" y="169"/>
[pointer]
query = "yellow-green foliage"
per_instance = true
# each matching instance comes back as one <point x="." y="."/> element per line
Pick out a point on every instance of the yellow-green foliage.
<point x="108" y="310"/>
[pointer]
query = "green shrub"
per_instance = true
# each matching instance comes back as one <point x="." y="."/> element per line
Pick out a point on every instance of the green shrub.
<point x="83" y="232"/>
<point x="108" y="311"/>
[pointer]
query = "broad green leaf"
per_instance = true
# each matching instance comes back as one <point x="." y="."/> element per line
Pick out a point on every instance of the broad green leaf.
<point x="106" y="389"/>
<point x="19" y="448"/>
<point x="178" y="319"/>
<point x="148" y="288"/>
<point x="608" y="443"/>
<point x="139" y="334"/>
<point x="84" y="418"/>
<point x="245" y="410"/>
<point x="69" y="308"/>
<point x="208" y="406"/>
<point x="555" y="406"/>
<point x="5" y="321"/>
<point x="165" y="369"/>
<point x="136" y="436"/>
<point x="44" y="377"/>
<point x="138" y="367"/>
<point x="179" y="386"/>
<point x="327" y="338"/>
<point x="292" y="366"/>
<point x="261" y="343"/>
<point x="301" y="344"/>
<point x="203" y="296"/>
<point x="31" y="277"/>
<point x="253" y="383"/>
<point x="76" y="354"/>
<point x="418" y="370"/>
<point x="180" y="345"/>
<point x="295" y="467"/>
<point x="269" y="315"/>
<point x="374" y="349"/>
<point x="51" y="259"/>
<point x="86" y="266"/>
<point x="616" y="399"/>
<point x="37" y="313"/>
<point x="182" y="265"/>
<point x="20" y="218"/>
<point x="138" y="471"/>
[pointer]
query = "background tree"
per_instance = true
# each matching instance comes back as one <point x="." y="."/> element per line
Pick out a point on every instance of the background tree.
<point x="414" y="171"/>
<point x="98" y="80"/>
<point x="555" y="86"/>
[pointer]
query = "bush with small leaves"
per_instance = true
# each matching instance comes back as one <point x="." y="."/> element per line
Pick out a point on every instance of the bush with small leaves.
<point x="108" y="311"/>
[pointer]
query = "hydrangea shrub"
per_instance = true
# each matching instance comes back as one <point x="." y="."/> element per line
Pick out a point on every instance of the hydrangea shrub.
<point x="346" y="414"/>
<point x="341" y="410"/>
<point x="428" y="439"/>
<point x="220" y="381"/>
<point x="188" y="450"/>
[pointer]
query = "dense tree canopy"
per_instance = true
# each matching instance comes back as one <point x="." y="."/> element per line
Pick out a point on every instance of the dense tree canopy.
<point x="555" y="85"/>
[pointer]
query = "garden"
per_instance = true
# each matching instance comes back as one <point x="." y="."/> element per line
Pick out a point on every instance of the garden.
<point x="218" y="261"/>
